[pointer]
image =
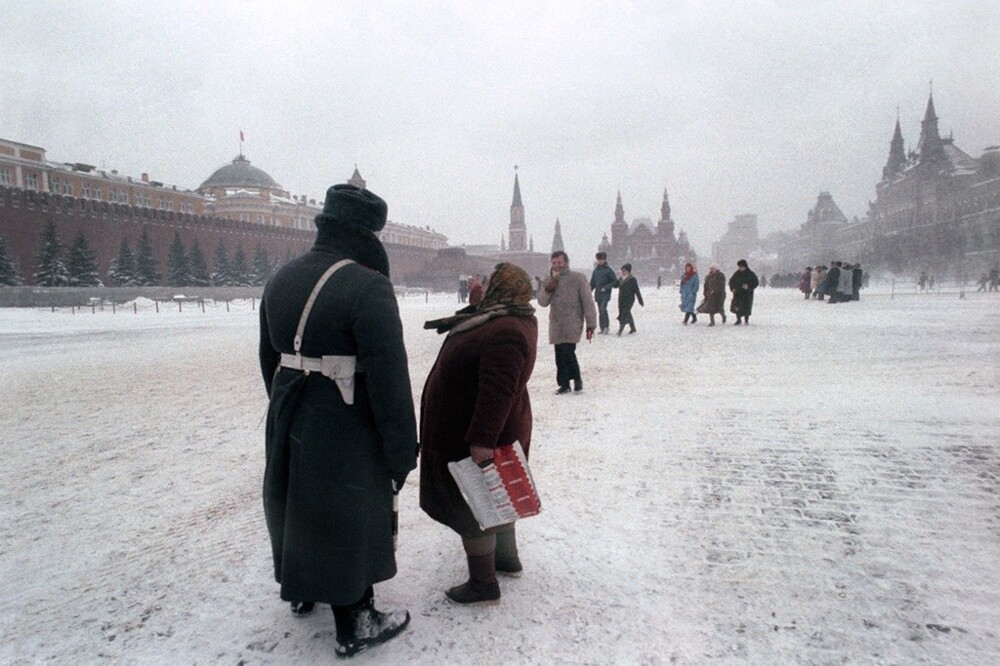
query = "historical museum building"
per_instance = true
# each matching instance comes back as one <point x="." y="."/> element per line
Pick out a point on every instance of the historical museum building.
<point x="239" y="205"/>
<point x="936" y="209"/>
<point x="651" y="249"/>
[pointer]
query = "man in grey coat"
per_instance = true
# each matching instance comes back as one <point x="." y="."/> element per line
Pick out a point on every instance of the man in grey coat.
<point x="571" y="311"/>
<point x="341" y="434"/>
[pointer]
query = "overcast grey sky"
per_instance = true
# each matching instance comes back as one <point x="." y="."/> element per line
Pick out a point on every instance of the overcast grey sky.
<point x="734" y="107"/>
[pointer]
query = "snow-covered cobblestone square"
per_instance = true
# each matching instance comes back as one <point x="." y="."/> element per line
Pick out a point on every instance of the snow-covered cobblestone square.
<point x="820" y="487"/>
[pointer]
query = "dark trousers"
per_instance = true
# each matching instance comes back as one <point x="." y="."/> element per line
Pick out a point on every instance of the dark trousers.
<point x="567" y="367"/>
<point x="602" y="314"/>
<point x="344" y="615"/>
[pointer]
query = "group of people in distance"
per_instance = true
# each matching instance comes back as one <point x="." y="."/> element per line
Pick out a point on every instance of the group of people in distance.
<point x="841" y="282"/>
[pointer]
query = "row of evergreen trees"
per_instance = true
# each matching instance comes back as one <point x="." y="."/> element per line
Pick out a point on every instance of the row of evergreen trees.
<point x="185" y="267"/>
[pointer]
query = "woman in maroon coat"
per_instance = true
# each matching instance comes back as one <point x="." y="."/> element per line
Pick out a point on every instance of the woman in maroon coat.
<point x="476" y="399"/>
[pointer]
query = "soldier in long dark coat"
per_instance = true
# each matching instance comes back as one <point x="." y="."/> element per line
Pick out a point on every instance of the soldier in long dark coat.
<point x="475" y="400"/>
<point x="340" y="427"/>
<point x="742" y="283"/>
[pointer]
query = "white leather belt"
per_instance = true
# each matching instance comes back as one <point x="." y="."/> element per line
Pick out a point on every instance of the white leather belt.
<point x="341" y="369"/>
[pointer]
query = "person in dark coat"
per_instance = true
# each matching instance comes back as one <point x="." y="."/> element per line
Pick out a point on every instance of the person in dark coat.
<point x="742" y="284"/>
<point x="805" y="282"/>
<point x="628" y="294"/>
<point x="856" y="279"/>
<point x="714" y="301"/>
<point x="341" y="433"/>
<point x="476" y="399"/>
<point x="602" y="281"/>
<point x="832" y="281"/>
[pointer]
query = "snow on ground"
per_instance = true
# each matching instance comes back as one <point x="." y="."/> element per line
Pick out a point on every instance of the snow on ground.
<point x="818" y="487"/>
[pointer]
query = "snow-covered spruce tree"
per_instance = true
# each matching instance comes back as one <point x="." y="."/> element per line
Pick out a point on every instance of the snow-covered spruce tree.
<point x="52" y="271"/>
<point x="238" y="268"/>
<point x="83" y="264"/>
<point x="198" y="268"/>
<point x="221" y="276"/>
<point x="121" y="271"/>
<point x="147" y="272"/>
<point x="178" y="265"/>
<point x="261" y="267"/>
<point x="10" y="276"/>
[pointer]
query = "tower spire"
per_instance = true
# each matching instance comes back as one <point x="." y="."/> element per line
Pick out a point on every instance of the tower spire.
<point x="557" y="239"/>
<point x="518" y="232"/>
<point x="930" y="148"/>
<point x="897" y="155"/>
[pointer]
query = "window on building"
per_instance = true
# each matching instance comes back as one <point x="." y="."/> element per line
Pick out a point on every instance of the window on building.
<point x="5" y="178"/>
<point x="31" y="181"/>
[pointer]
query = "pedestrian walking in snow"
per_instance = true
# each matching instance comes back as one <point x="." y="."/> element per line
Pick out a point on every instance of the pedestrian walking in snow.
<point x="602" y="281"/>
<point x="845" y="282"/>
<point x="983" y="281"/>
<point x="341" y="434"/>
<point x="805" y="284"/>
<point x="714" y="301"/>
<point x="742" y="283"/>
<point x="818" y="278"/>
<point x="628" y="294"/>
<point x="476" y="289"/>
<point x="832" y="281"/>
<point x="463" y="289"/>
<point x="857" y="278"/>
<point x="475" y="400"/>
<point x="994" y="279"/>
<point x="572" y="311"/>
<point x="659" y="282"/>
<point x="922" y="281"/>
<point x="689" y="293"/>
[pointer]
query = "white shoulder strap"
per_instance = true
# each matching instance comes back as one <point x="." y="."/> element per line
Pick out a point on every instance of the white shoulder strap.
<point x="312" y="299"/>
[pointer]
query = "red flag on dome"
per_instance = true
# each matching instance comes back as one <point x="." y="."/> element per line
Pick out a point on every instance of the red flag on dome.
<point x="241" y="135"/>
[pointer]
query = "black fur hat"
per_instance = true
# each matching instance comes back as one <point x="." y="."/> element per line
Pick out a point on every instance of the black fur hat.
<point x="350" y="205"/>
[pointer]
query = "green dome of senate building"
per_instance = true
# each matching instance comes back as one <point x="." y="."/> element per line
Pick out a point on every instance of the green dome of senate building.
<point x="240" y="173"/>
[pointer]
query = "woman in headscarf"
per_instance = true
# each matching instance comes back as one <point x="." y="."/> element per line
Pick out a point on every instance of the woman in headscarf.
<point x="689" y="293"/>
<point x="714" y="301"/>
<point x="476" y="399"/>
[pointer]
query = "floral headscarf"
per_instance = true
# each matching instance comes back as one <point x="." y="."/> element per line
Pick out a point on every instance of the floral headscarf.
<point x="508" y="293"/>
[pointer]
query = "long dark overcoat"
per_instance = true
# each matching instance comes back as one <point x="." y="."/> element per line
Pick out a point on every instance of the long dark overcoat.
<point x="476" y="393"/>
<point x="714" y="294"/>
<point x="327" y="482"/>
<point x="742" y="303"/>
<point x="628" y="292"/>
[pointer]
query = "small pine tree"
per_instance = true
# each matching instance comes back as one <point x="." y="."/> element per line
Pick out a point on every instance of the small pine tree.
<point x="221" y="276"/>
<point x="178" y="264"/>
<point x="51" y="269"/>
<point x="261" y="268"/>
<point x="198" y="268"/>
<point x="10" y="276"/>
<point x="146" y="269"/>
<point x="238" y="269"/>
<point x="83" y="264"/>
<point x="121" y="272"/>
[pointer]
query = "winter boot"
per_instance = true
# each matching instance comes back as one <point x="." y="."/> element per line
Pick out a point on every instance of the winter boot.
<point x="300" y="608"/>
<point x="482" y="587"/>
<point x="711" y="320"/>
<point x="361" y="626"/>
<point x="507" y="561"/>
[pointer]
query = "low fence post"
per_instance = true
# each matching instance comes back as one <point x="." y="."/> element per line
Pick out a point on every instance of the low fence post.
<point x="427" y="296"/>
<point x="227" y="305"/>
<point x="114" y="308"/>
<point x="180" y="306"/>
<point x="202" y="300"/>
<point x="253" y="303"/>
<point x="135" y="308"/>
<point x="157" y="304"/>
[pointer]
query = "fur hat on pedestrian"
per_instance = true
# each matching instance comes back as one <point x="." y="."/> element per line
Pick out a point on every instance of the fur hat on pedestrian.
<point x="348" y="223"/>
<point x="743" y="263"/>
<point x="627" y="268"/>
<point x="348" y="204"/>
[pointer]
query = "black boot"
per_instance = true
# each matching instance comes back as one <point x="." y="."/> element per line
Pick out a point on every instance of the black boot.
<point x="360" y="627"/>
<point x="300" y="608"/>
<point x="482" y="587"/>
<point x="711" y="320"/>
<point x="507" y="561"/>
